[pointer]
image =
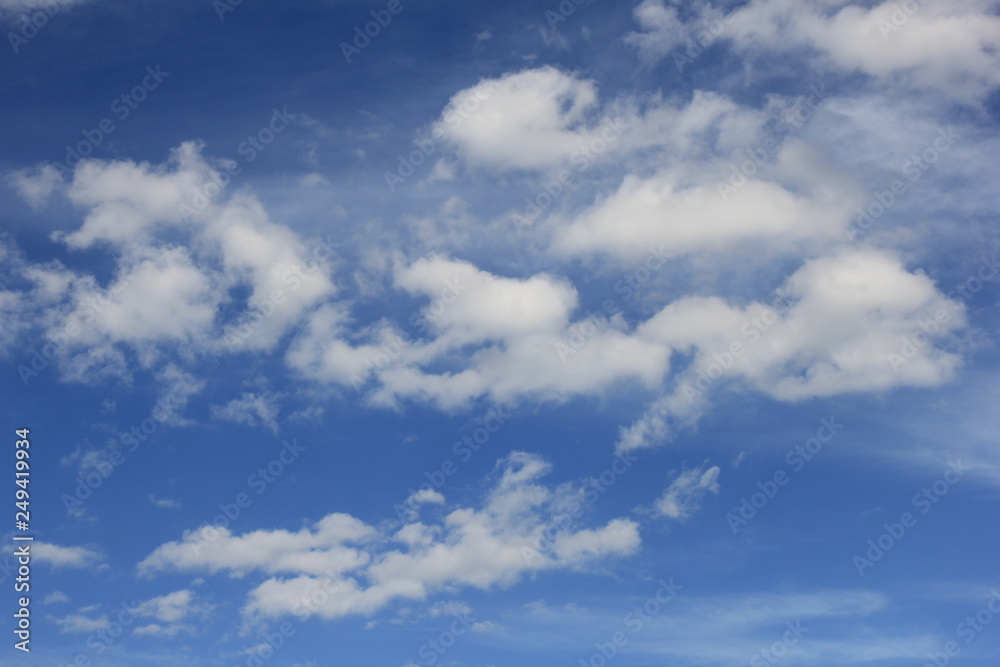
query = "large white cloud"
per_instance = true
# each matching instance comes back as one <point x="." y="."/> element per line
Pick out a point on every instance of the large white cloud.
<point x="531" y="119"/>
<point x="180" y="257"/>
<point x="712" y="215"/>
<point x="857" y="321"/>
<point x="341" y="566"/>
<point x="699" y="178"/>
<point x="950" y="47"/>
<point x="500" y="337"/>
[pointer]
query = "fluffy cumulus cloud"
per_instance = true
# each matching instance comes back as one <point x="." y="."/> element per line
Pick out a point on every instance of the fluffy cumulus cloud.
<point x="517" y="327"/>
<point x="531" y="119"/>
<point x="182" y="251"/>
<point x="840" y="324"/>
<point x="699" y="174"/>
<point x="543" y="118"/>
<point x="203" y="272"/>
<point x="944" y="46"/>
<point x="472" y="333"/>
<point x="857" y="321"/>
<point x="340" y="565"/>
<point x="672" y="210"/>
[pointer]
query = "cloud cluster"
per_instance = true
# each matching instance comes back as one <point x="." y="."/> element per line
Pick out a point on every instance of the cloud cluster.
<point x="200" y="272"/>
<point x="183" y="262"/>
<point x="340" y="565"/>
<point x="949" y="47"/>
<point x="164" y="616"/>
<point x="838" y="326"/>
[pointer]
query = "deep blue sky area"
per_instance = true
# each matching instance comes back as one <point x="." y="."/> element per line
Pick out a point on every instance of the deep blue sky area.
<point x="525" y="333"/>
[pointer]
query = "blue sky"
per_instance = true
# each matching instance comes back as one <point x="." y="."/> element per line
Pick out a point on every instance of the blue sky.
<point x="525" y="333"/>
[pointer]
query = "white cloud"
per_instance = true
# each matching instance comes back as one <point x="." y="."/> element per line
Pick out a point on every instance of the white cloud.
<point x="170" y="614"/>
<point x="35" y="186"/>
<point x="58" y="556"/>
<point x="684" y="495"/>
<point x="515" y="327"/>
<point x="841" y="326"/>
<point x="80" y="623"/>
<point x="55" y="597"/>
<point x="663" y="30"/>
<point x="543" y="118"/>
<point x="180" y="259"/>
<point x="177" y="388"/>
<point x="128" y="202"/>
<point x="313" y="180"/>
<point x="493" y="546"/>
<point x="843" y="317"/>
<point x="164" y="297"/>
<point x="425" y="496"/>
<point x="250" y="409"/>
<point x="326" y="545"/>
<point x="472" y="305"/>
<point x="951" y="47"/>
<point x="164" y="503"/>
<point x="515" y="324"/>
<point x="527" y="120"/>
<point x="669" y="211"/>
<point x="505" y="334"/>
